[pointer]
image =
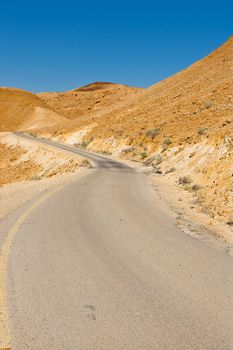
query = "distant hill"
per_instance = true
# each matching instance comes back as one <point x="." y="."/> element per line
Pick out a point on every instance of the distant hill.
<point x="87" y="99"/>
<point x="22" y="110"/>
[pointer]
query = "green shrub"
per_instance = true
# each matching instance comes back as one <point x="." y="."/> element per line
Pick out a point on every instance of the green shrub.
<point x="36" y="177"/>
<point x="158" y="159"/>
<point x="153" y="132"/>
<point x="143" y="155"/>
<point x="86" y="163"/>
<point x="184" y="180"/>
<point x="196" y="187"/>
<point x="128" y="150"/>
<point x="201" y="131"/>
<point x="192" y="154"/>
<point x="230" y="221"/>
<point x="105" y="152"/>
<point x="208" y="104"/>
<point x="31" y="134"/>
<point x="167" y="141"/>
<point x="171" y="170"/>
<point x="84" y="144"/>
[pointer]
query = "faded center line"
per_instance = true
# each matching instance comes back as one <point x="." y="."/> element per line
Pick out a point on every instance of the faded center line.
<point x="5" y="337"/>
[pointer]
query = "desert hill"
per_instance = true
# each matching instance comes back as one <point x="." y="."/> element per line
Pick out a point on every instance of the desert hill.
<point x="22" y="110"/>
<point x="198" y="97"/>
<point x="182" y="126"/>
<point x="87" y="99"/>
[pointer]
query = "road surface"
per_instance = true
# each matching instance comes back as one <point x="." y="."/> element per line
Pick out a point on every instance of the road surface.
<point x="100" y="264"/>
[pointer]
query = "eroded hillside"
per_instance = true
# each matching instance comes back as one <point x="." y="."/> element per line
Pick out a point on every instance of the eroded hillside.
<point x="22" y="160"/>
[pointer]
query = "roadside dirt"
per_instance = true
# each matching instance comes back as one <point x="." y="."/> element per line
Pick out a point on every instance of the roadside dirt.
<point x="189" y="216"/>
<point x="23" y="160"/>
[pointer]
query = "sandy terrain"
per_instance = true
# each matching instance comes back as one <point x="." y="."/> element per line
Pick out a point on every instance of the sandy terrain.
<point x="22" y="110"/>
<point x="190" y="218"/>
<point x="25" y="160"/>
<point x="88" y="99"/>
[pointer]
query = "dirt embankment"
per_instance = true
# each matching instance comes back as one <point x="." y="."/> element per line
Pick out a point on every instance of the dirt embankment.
<point x="24" y="160"/>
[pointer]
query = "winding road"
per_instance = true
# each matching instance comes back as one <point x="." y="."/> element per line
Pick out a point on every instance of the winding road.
<point x="100" y="264"/>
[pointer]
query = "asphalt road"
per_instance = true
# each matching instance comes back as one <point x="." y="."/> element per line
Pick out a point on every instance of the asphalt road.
<point x="100" y="264"/>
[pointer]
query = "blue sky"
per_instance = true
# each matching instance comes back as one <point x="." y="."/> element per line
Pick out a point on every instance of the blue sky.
<point x="60" y="45"/>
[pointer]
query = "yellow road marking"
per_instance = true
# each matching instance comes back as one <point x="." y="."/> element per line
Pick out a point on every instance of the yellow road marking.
<point x="5" y="339"/>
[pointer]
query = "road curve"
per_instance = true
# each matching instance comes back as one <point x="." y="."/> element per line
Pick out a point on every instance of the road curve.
<point x="100" y="264"/>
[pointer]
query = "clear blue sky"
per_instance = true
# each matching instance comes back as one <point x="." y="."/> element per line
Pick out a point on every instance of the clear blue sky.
<point x="59" y="45"/>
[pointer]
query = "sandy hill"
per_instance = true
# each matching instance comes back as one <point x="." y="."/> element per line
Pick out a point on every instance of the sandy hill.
<point x="197" y="97"/>
<point x="22" y="110"/>
<point x="182" y="126"/>
<point x="87" y="99"/>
